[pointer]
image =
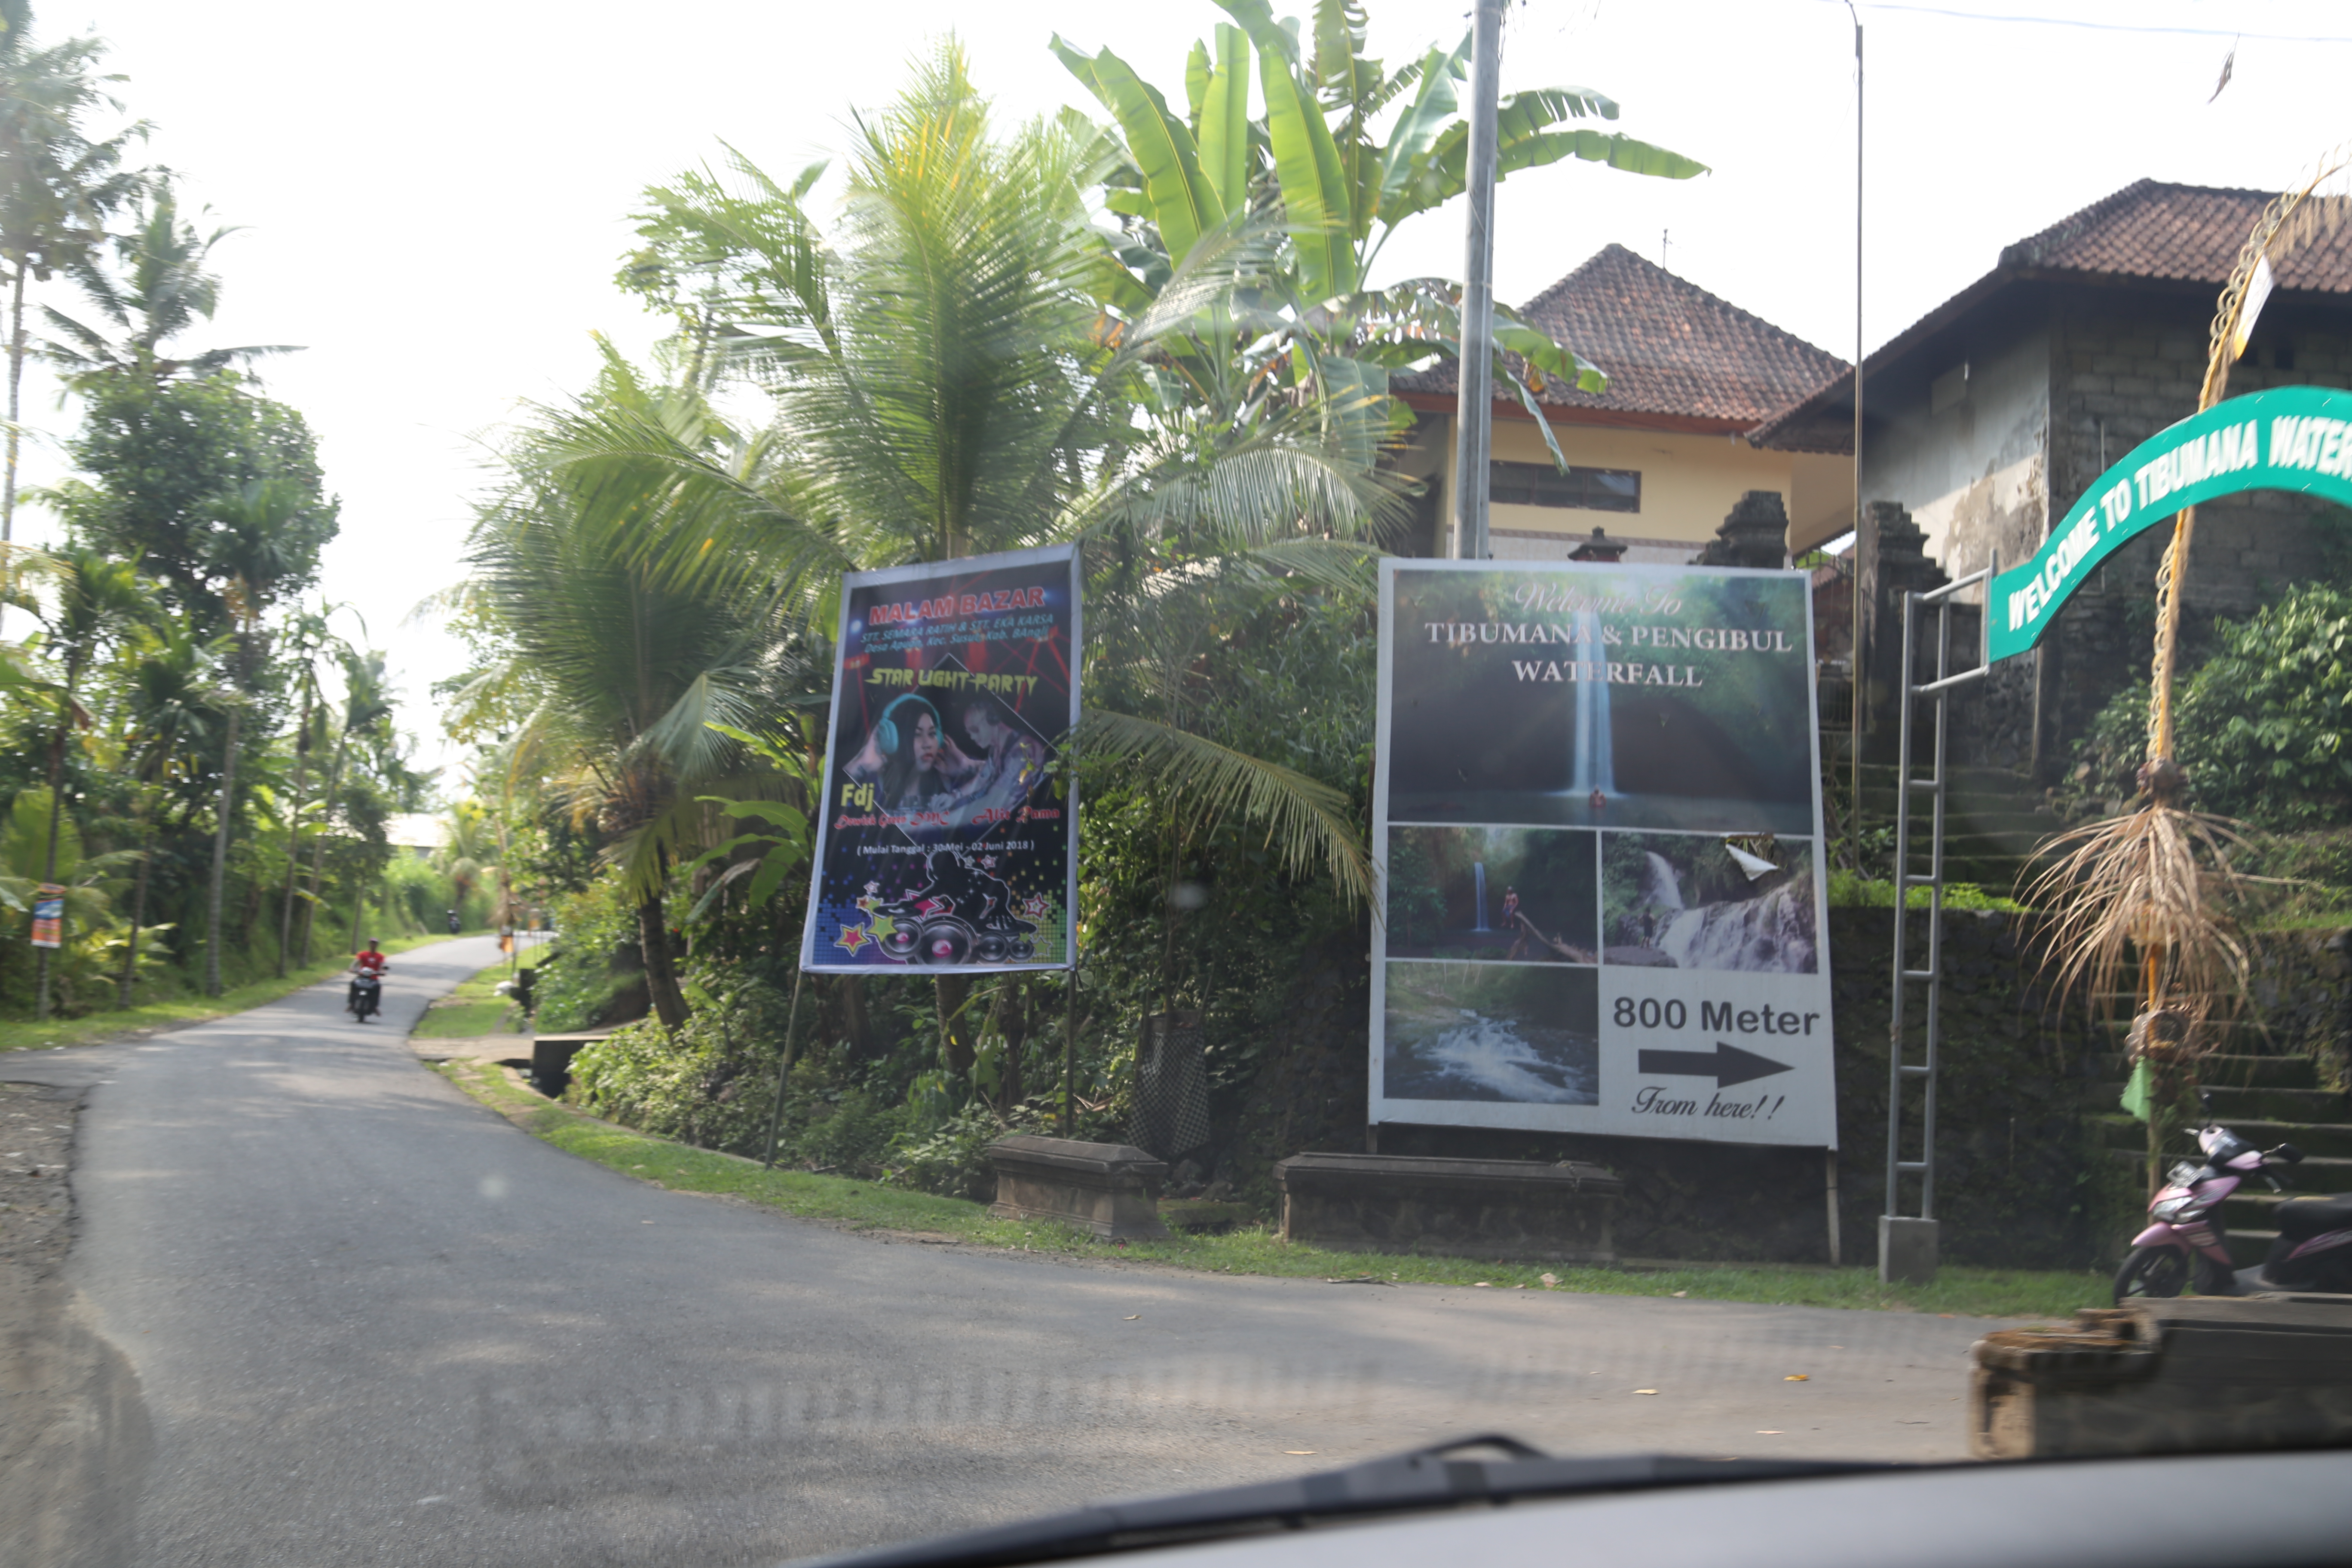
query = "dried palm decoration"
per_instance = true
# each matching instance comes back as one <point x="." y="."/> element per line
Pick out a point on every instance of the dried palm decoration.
<point x="2156" y="883"/>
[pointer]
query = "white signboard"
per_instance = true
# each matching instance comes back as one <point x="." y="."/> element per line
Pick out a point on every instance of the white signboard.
<point x="1597" y="814"/>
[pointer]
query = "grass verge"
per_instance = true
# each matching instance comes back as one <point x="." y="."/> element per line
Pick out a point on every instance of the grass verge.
<point x="868" y="1205"/>
<point x="153" y="1017"/>
<point x="474" y="1009"/>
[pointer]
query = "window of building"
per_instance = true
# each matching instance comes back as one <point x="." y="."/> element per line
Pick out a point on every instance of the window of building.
<point x="1540" y="484"/>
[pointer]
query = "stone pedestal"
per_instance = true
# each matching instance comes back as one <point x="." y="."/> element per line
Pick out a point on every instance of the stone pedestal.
<point x="1908" y="1251"/>
<point x="1501" y="1209"/>
<point x="1109" y="1190"/>
<point x="2207" y="1373"/>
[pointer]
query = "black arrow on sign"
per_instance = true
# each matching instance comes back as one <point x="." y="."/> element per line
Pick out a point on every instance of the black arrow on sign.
<point x="1727" y="1064"/>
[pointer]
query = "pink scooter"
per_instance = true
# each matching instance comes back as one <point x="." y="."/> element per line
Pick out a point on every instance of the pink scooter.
<point x="2188" y="1238"/>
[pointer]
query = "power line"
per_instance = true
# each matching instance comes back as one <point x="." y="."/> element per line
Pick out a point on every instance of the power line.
<point x="2102" y="27"/>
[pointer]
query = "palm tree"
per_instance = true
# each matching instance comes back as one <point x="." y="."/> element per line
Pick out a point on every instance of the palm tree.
<point x="56" y="185"/>
<point x="250" y="552"/>
<point x="163" y="290"/>
<point x="619" y="663"/>
<point x="961" y="366"/>
<point x="95" y="597"/>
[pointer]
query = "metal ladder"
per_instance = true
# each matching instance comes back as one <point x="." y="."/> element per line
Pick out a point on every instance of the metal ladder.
<point x="1907" y="1249"/>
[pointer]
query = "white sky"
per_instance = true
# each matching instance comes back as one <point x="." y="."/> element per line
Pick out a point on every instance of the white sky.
<point x="434" y="195"/>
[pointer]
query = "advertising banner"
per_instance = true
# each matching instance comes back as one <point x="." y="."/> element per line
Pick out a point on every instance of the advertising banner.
<point x="48" y="915"/>
<point x="944" y="838"/>
<point x="1597" y="810"/>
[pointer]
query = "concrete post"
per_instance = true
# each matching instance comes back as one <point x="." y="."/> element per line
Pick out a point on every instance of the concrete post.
<point x="1907" y="1250"/>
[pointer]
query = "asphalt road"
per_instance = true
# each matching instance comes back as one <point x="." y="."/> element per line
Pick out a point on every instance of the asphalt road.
<point x="373" y="1323"/>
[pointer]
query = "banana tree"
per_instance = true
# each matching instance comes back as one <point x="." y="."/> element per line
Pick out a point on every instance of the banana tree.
<point x="1343" y="190"/>
<point x="34" y="849"/>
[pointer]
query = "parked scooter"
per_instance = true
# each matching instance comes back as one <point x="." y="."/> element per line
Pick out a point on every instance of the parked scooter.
<point x="2188" y="1241"/>
<point x="365" y="999"/>
<point x="2313" y="1249"/>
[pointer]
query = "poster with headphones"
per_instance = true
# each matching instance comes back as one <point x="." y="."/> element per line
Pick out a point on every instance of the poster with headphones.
<point x="948" y="837"/>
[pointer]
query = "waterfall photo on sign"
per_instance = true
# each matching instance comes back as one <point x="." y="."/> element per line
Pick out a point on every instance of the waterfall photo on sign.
<point x="1614" y="697"/>
<point x="1596" y="809"/>
<point x="946" y="836"/>
<point x="1506" y="894"/>
<point x="1690" y="901"/>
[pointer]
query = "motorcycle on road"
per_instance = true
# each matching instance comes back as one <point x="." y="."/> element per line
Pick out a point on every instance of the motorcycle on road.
<point x="365" y="999"/>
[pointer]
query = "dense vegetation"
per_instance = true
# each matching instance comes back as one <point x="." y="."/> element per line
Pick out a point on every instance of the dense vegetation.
<point x="1149" y="338"/>
<point x="193" y="753"/>
<point x="2265" y="718"/>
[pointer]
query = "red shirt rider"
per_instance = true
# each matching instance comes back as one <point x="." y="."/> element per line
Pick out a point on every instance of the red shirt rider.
<point x="369" y="963"/>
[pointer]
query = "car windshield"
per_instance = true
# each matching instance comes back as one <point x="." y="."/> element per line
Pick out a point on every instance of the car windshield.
<point x="774" y="789"/>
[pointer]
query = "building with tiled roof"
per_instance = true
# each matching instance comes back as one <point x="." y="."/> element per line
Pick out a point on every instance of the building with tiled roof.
<point x="1661" y="456"/>
<point x="1994" y="413"/>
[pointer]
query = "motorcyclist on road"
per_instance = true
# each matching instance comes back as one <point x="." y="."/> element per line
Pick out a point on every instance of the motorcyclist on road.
<point x="453" y="922"/>
<point x="370" y="960"/>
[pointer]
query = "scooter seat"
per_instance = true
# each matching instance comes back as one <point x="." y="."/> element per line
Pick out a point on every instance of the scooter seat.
<point x="2300" y="1219"/>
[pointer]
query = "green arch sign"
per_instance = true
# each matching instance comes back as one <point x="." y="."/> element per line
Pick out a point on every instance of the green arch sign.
<point x="2290" y="438"/>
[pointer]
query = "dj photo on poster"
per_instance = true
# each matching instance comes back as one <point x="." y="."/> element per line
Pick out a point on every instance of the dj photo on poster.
<point x="1599" y="821"/>
<point x="945" y="837"/>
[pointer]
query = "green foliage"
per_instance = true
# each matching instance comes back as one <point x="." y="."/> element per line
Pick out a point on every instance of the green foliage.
<point x="1848" y="890"/>
<point x="160" y="456"/>
<point x="1188" y="187"/>
<point x="951" y="1159"/>
<point x="1416" y="911"/>
<point x="593" y="961"/>
<point x="711" y="1083"/>
<point x="2265" y="722"/>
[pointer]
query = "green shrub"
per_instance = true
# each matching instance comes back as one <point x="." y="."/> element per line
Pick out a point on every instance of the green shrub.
<point x="951" y="1160"/>
<point x="711" y="1082"/>
<point x="2265" y="722"/>
<point x="592" y="961"/>
<point x="850" y="1132"/>
<point x="1850" y="891"/>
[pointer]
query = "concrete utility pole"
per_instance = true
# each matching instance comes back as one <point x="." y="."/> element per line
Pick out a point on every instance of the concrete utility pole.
<point x="1473" y="439"/>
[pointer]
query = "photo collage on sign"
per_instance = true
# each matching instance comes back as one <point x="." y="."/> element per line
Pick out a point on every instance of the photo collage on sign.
<point x="1496" y="936"/>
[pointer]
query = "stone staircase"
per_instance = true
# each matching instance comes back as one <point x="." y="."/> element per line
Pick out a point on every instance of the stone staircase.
<point x="1994" y="821"/>
<point x="2267" y="1097"/>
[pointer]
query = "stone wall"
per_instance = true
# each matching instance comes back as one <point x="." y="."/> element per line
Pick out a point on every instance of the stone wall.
<point x="2023" y="1180"/>
<point x="2020" y="1178"/>
<point x="2302" y="998"/>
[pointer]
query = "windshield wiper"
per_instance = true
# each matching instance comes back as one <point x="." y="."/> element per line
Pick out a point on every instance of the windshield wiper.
<point x="1423" y="1479"/>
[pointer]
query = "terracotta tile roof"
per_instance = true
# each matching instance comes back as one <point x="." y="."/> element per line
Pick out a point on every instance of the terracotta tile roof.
<point x="1669" y="346"/>
<point x="2183" y="233"/>
<point x="2148" y="232"/>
